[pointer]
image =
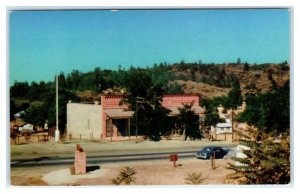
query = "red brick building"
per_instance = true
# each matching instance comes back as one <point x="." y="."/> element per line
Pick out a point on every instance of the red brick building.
<point x="116" y="119"/>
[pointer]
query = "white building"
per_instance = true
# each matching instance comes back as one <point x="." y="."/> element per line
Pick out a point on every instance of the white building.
<point x="223" y="128"/>
<point x="84" y="120"/>
<point x="26" y="127"/>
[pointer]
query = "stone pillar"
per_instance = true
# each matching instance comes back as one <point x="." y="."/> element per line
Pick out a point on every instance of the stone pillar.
<point x="80" y="162"/>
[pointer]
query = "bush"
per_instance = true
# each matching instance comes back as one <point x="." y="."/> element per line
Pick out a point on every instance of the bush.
<point x="125" y="176"/>
<point x="194" y="178"/>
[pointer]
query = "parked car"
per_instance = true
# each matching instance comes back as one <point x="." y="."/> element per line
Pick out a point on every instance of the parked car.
<point x="208" y="152"/>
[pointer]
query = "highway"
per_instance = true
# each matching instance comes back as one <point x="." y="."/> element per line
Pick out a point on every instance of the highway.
<point x="50" y="161"/>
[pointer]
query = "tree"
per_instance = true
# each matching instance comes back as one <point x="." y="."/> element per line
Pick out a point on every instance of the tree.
<point x="266" y="162"/>
<point x="238" y="61"/>
<point x="74" y="79"/>
<point x="211" y="117"/>
<point x="234" y="98"/>
<point x="13" y="109"/>
<point x="269" y="112"/>
<point x="33" y="92"/>
<point x="63" y="97"/>
<point x="246" y="66"/>
<point x="193" y="73"/>
<point x="189" y="122"/>
<point x="19" y="90"/>
<point x="211" y="110"/>
<point x="174" y="88"/>
<point x="151" y="117"/>
<point x="36" y="114"/>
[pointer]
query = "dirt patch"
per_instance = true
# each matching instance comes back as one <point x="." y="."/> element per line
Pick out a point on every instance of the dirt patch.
<point x="64" y="176"/>
<point x="35" y="181"/>
<point x="30" y="176"/>
<point x="156" y="172"/>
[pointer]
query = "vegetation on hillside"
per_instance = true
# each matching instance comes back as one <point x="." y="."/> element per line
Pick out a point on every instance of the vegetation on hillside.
<point x="269" y="112"/>
<point x="38" y="99"/>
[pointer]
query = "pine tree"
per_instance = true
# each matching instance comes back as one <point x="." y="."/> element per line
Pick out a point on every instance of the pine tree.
<point x="267" y="161"/>
<point x="189" y="122"/>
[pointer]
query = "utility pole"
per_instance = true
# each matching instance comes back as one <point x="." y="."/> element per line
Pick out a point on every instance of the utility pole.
<point x="57" y="130"/>
<point x="136" y="114"/>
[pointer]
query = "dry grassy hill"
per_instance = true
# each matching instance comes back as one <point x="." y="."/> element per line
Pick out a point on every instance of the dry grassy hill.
<point x="205" y="90"/>
<point x="252" y="78"/>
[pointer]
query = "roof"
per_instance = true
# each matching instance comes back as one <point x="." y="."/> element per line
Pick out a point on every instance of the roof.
<point x="118" y="113"/>
<point x="179" y="95"/>
<point x="224" y="125"/>
<point x="175" y="111"/>
<point x="19" y="114"/>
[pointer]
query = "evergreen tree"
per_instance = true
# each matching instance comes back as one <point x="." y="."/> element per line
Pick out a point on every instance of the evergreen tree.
<point x="193" y="73"/>
<point x="145" y="100"/>
<point x="266" y="161"/>
<point x="12" y="108"/>
<point x="211" y="112"/>
<point x="269" y="112"/>
<point x="234" y="98"/>
<point x="189" y="122"/>
<point x="238" y="61"/>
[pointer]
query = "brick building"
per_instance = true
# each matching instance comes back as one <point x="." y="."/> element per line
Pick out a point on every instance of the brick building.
<point x="110" y="120"/>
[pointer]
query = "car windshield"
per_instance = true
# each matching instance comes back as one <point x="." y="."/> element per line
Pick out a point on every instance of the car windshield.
<point x="207" y="149"/>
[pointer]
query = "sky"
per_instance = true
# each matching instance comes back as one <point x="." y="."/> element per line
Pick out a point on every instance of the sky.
<point x="45" y="43"/>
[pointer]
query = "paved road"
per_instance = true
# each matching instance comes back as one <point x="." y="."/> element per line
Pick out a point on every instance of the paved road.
<point x="49" y="161"/>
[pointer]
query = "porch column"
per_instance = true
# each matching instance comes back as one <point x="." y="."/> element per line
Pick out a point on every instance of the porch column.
<point x="111" y="129"/>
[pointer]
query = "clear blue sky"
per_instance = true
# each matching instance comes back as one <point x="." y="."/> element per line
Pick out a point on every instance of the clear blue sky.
<point x="43" y="43"/>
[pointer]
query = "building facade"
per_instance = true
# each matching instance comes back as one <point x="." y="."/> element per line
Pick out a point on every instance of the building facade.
<point x="84" y="120"/>
<point x="112" y="120"/>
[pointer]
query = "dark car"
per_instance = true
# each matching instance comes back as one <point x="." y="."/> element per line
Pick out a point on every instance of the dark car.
<point x="208" y="152"/>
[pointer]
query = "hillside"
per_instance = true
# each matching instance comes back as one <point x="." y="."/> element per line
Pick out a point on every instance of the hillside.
<point x="215" y="80"/>
<point x="205" y="90"/>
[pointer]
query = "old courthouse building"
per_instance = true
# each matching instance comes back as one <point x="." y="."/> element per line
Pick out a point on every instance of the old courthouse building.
<point x="110" y="120"/>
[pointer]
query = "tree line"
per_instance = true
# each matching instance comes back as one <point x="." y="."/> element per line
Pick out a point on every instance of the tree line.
<point x="38" y="99"/>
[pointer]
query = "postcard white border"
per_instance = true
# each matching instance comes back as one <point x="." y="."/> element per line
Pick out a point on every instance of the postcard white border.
<point x="54" y="4"/>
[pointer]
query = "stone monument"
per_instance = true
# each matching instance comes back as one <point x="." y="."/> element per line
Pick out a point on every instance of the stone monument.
<point x="80" y="160"/>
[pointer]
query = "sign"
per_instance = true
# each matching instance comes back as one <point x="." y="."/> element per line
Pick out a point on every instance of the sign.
<point x="173" y="157"/>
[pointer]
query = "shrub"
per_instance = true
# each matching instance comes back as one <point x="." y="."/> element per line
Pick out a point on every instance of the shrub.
<point x="194" y="178"/>
<point x="125" y="176"/>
